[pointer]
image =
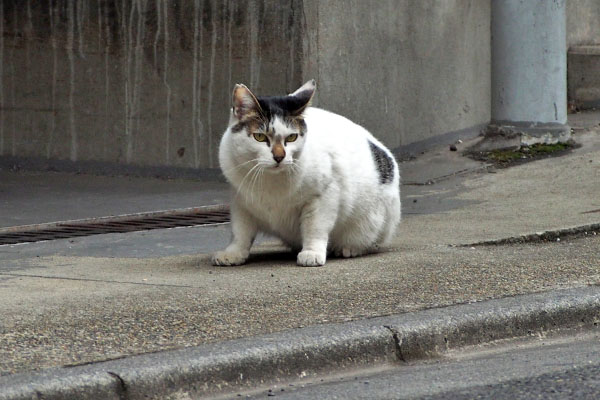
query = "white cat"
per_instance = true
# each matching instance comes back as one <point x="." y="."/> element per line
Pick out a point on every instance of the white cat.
<point x="310" y="177"/>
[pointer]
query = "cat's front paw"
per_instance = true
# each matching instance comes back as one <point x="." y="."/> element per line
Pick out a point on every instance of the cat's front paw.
<point x="228" y="258"/>
<point x="309" y="258"/>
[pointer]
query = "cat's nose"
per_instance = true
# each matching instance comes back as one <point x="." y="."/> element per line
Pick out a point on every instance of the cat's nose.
<point x="278" y="152"/>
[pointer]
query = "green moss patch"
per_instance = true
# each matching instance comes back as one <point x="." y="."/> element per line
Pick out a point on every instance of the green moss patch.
<point x="507" y="157"/>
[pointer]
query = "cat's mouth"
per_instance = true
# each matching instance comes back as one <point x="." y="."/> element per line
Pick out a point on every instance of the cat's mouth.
<point x="278" y="167"/>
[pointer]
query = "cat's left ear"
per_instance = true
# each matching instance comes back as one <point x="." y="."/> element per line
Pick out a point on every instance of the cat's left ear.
<point x="304" y="95"/>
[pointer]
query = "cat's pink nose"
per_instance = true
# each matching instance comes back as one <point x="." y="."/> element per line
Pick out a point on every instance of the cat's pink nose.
<point x="278" y="152"/>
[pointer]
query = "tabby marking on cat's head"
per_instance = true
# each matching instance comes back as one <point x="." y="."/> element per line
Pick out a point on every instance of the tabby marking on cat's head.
<point x="274" y="126"/>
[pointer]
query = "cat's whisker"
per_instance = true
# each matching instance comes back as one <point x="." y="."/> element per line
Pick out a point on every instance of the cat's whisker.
<point x="292" y="170"/>
<point x="254" y="179"/>
<point x="289" y="179"/>
<point x="239" y="165"/>
<point x="261" y="180"/>
<point x="254" y="196"/>
<point x="246" y="177"/>
<point x="295" y="168"/>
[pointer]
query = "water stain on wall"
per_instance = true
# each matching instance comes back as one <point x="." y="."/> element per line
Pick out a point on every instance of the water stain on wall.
<point x="133" y="81"/>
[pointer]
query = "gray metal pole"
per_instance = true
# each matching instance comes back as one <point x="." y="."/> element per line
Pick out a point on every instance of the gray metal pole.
<point x="529" y="71"/>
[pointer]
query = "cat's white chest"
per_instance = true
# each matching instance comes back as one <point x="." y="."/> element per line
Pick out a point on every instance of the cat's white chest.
<point x="277" y="210"/>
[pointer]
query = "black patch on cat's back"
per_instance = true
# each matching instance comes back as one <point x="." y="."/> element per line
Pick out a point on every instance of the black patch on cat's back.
<point x="383" y="163"/>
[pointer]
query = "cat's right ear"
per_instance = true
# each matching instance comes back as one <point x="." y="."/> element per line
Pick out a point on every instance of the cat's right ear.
<point x="244" y="102"/>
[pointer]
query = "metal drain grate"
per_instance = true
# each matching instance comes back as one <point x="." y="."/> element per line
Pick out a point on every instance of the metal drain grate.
<point x="209" y="215"/>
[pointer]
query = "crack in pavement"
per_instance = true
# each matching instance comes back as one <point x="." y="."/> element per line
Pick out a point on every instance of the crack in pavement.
<point x="397" y="343"/>
<point x="122" y="392"/>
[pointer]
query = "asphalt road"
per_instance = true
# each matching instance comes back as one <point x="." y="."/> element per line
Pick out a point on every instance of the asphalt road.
<point x="560" y="368"/>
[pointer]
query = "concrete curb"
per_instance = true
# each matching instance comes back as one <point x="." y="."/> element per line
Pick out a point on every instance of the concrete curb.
<point x="548" y="236"/>
<point x="215" y="367"/>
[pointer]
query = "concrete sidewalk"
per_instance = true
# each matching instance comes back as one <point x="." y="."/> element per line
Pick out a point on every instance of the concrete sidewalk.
<point x="83" y="300"/>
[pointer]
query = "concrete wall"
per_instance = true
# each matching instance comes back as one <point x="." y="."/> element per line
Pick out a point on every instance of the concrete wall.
<point x="406" y="70"/>
<point x="583" y="26"/>
<point x="583" y="40"/>
<point x="137" y="82"/>
<point x="148" y="82"/>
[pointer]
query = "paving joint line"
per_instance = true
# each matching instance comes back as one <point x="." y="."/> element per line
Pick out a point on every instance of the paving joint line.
<point x="442" y="178"/>
<point x="96" y="280"/>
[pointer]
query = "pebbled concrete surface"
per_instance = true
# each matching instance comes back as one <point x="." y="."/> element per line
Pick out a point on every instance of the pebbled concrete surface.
<point x="64" y="310"/>
<point x="88" y="299"/>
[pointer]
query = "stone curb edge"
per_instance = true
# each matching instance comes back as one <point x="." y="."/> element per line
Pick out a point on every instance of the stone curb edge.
<point x="212" y="368"/>
<point x="548" y="236"/>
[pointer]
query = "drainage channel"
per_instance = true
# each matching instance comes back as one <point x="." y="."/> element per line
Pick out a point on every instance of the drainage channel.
<point x="208" y="215"/>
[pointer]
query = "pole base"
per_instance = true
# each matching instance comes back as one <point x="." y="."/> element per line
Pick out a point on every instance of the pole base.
<point x="514" y="135"/>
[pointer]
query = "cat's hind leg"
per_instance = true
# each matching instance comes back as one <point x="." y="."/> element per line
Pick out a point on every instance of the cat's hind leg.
<point x="350" y="252"/>
<point x="358" y="237"/>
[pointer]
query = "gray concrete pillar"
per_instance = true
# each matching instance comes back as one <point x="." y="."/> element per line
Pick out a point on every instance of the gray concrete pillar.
<point x="529" y="72"/>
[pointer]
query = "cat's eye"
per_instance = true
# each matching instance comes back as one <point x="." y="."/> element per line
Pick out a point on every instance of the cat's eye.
<point x="291" y="138"/>
<point x="260" y="137"/>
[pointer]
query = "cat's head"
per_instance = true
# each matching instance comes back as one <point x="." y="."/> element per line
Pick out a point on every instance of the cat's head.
<point x="269" y="130"/>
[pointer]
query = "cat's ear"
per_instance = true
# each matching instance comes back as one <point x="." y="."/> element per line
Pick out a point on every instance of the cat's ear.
<point x="244" y="102"/>
<point x="304" y="95"/>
